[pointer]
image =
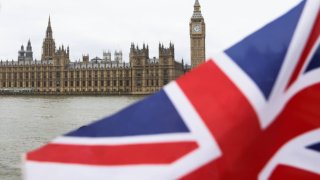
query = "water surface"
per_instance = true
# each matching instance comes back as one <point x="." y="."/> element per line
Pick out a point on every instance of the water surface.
<point x="28" y="122"/>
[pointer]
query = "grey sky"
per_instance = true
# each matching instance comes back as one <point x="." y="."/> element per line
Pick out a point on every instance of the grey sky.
<point x="97" y="25"/>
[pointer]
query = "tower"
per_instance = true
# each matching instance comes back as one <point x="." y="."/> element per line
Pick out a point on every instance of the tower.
<point x="29" y="53"/>
<point x="118" y="56"/>
<point x="21" y="54"/>
<point x="107" y="56"/>
<point x="48" y="46"/>
<point x="197" y="36"/>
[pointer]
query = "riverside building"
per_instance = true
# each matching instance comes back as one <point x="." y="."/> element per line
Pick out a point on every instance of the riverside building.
<point x="56" y="74"/>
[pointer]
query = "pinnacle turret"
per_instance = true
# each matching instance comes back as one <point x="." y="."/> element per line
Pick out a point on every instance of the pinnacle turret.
<point x="49" y="29"/>
<point x="197" y="11"/>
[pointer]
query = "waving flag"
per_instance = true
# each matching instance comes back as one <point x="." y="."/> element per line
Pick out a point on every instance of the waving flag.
<point x="253" y="112"/>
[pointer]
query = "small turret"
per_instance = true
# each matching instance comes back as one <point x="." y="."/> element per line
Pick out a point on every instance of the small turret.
<point x="166" y="51"/>
<point x="144" y="52"/>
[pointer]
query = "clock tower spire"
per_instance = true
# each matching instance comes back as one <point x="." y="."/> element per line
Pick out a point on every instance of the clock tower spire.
<point x="197" y="36"/>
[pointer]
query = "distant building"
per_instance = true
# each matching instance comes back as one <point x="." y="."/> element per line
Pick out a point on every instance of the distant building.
<point x="56" y="74"/>
<point x="25" y="55"/>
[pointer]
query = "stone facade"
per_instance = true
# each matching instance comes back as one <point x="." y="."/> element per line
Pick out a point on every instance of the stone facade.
<point x="56" y="74"/>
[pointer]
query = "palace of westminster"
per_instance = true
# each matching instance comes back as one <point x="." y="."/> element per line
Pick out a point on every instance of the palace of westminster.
<point x="56" y="74"/>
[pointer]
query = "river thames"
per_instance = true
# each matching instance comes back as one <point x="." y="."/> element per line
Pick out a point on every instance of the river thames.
<point x="28" y="122"/>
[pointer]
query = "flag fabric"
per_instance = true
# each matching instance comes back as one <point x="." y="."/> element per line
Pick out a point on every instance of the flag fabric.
<point x="252" y="112"/>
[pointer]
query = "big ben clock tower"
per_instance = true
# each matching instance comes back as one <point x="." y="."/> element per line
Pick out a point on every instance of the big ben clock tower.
<point x="197" y="36"/>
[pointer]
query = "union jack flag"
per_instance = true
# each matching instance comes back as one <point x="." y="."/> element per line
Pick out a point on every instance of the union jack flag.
<point x="252" y="112"/>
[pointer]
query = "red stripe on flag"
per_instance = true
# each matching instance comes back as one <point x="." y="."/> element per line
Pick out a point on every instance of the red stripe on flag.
<point x="299" y="116"/>
<point x="160" y="153"/>
<point x="287" y="172"/>
<point x="226" y="112"/>
<point x="315" y="33"/>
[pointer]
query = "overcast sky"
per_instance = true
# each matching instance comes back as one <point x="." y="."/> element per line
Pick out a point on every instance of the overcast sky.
<point x="97" y="25"/>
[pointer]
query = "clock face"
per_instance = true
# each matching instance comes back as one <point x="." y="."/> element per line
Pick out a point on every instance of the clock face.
<point x="197" y="28"/>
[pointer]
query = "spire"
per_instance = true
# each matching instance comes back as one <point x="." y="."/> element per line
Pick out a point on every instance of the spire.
<point x="49" y="23"/>
<point x="197" y="6"/>
<point x="197" y="11"/>
<point x="29" y="47"/>
<point x="49" y="29"/>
